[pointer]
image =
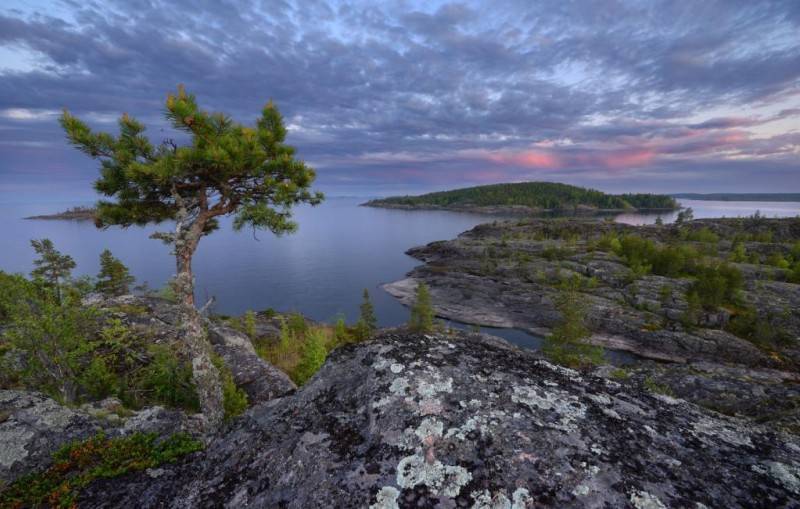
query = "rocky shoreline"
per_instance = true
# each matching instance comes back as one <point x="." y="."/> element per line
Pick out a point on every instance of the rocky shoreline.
<point x="509" y="210"/>
<point x="507" y="274"/>
<point x="465" y="420"/>
<point x="73" y="214"/>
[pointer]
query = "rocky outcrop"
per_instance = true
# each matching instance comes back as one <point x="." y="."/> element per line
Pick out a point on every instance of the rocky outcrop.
<point x="468" y="421"/>
<point x="259" y="379"/>
<point x="507" y="274"/>
<point x="32" y="427"/>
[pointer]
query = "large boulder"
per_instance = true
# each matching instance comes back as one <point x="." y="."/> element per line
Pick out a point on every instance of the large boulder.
<point x="259" y="379"/>
<point x="411" y="420"/>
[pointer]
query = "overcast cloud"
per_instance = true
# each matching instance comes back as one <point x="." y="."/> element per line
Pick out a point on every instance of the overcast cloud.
<point x="395" y="97"/>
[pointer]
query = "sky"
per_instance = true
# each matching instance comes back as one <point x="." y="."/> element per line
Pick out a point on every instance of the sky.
<point x="399" y="97"/>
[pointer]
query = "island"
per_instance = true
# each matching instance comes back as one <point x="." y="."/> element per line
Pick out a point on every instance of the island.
<point x="72" y="214"/>
<point x="526" y="198"/>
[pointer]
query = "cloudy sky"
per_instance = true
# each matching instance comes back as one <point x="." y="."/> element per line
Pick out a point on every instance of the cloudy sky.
<point x="401" y="96"/>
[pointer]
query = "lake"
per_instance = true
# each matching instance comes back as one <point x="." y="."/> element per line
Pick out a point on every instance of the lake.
<point x="320" y="271"/>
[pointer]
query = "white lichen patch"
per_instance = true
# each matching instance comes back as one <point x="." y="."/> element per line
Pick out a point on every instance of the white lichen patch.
<point x="13" y="449"/>
<point x="386" y="498"/>
<point x="399" y="386"/>
<point x="569" y="373"/>
<point x="430" y="407"/>
<point x="787" y="475"/>
<point x="429" y="429"/>
<point x="669" y="400"/>
<point x="644" y="500"/>
<point x="444" y="480"/>
<point x="429" y="389"/>
<point x="600" y="399"/>
<point x="396" y="368"/>
<point x="567" y="407"/>
<point x="380" y="364"/>
<point x="382" y="402"/>
<point x="713" y="431"/>
<point x="485" y="500"/>
<point x="581" y="490"/>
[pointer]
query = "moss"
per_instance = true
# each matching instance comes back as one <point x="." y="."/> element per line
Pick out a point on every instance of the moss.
<point x="79" y="463"/>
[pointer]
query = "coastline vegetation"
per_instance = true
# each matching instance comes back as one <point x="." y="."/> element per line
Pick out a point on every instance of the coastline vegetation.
<point x="536" y="195"/>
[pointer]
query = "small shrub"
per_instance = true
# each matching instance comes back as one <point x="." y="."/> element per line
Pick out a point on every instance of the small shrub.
<point x="421" y="319"/>
<point x="652" y="386"/>
<point x="78" y="464"/>
<point x="234" y="399"/>
<point x="313" y="357"/>
<point x="167" y="380"/>
<point x="250" y="324"/>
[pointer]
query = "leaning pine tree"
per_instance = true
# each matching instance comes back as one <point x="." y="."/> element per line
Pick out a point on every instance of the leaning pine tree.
<point x="225" y="169"/>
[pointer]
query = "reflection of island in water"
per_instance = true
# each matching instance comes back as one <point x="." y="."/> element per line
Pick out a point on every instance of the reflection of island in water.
<point x="74" y="214"/>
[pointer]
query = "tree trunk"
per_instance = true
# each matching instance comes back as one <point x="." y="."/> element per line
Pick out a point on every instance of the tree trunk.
<point x="205" y="375"/>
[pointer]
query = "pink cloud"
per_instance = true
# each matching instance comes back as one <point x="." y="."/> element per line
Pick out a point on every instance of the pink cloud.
<point x="527" y="159"/>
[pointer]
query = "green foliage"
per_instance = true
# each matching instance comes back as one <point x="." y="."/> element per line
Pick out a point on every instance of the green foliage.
<point x="250" y="170"/>
<point x="684" y="216"/>
<point x="566" y="343"/>
<point x="52" y="267"/>
<point x="652" y="386"/>
<point x="79" y="463"/>
<point x="250" y="324"/>
<point x="166" y="380"/>
<point x="421" y="319"/>
<point x="98" y="380"/>
<point x="738" y="253"/>
<point x="704" y="234"/>
<point x="776" y="259"/>
<point x="341" y="335"/>
<point x="544" y="195"/>
<point x="620" y="374"/>
<point x="167" y="292"/>
<point x="234" y="399"/>
<point x="367" y="322"/>
<point x="53" y="332"/>
<point x="716" y="285"/>
<point x="297" y="323"/>
<point x="114" y="278"/>
<point x="313" y="356"/>
<point x="748" y="324"/>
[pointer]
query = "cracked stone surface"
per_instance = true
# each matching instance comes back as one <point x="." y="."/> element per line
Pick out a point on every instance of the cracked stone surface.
<point x="470" y="421"/>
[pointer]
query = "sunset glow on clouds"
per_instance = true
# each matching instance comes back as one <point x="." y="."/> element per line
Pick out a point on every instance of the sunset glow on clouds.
<point x="409" y="96"/>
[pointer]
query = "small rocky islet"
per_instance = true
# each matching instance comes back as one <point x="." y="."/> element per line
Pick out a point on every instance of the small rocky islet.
<point x="706" y="417"/>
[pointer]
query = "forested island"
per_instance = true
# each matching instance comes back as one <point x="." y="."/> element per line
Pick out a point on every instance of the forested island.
<point x="527" y="197"/>
<point x="74" y="214"/>
<point x="776" y="197"/>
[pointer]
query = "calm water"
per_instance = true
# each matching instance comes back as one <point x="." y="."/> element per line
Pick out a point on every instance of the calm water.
<point x="339" y="250"/>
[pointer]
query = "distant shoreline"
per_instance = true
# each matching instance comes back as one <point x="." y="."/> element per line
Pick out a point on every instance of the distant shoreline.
<point x="507" y="210"/>
<point x="770" y="197"/>
<point x="73" y="214"/>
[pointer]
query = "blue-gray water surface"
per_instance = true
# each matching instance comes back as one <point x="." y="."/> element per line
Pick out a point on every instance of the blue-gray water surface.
<point x="339" y="249"/>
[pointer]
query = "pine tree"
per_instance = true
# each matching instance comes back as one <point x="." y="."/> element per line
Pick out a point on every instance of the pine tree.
<point x="52" y="267"/>
<point x="226" y="169"/>
<point x="367" y="322"/>
<point x="421" y="319"/>
<point x="114" y="278"/>
<point x="566" y="343"/>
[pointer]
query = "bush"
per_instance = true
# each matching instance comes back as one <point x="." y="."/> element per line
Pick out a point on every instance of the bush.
<point x="250" y="324"/>
<point x="166" y="380"/>
<point x="234" y="399"/>
<point x="716" y="285"/>
<point x="114" y="278"/>
<point x="747" y="324"/>
<point x="313" y="357"/>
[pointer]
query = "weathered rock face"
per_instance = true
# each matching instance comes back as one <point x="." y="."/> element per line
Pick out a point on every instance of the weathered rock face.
<point x="32" y="427"/>
<point x="469" y="421"/>
<point x="506" y="274"/>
